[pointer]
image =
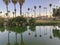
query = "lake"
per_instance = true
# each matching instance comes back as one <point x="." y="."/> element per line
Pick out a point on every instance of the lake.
<point x="37" y="35"/>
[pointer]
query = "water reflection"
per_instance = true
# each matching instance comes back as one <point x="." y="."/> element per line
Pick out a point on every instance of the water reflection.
<point x="2" y="29"/>
<point x="8" y="38"/>
<point x="40" y="35"/>
<point x="22" y="42"/>
<point x="17" y="30"/>
<point x="30" y="35"/>
<point x="56" y="32"/>
<point x="16" y="43"/>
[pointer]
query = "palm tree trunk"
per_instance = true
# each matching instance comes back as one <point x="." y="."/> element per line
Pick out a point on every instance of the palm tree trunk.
<point x="35" y="13"/>
<point x="8" y="36"/>
<point x="40" y="12"/>
<point x="46" y="11"/>
<point x="50" y="12"/>
<point x="16" y="37"/>
<point x="22" y="39"/>
<point x="15" y="10"/>
<point x="20" y="10"/>
<point x="7" y="9"/>
<point x="13" y="15"/>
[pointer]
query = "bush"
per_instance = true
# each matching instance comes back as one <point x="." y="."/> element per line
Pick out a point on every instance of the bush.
<point x="32" y="21"/>
<point x="17" y="21"/>
<point x="1" y="21"/>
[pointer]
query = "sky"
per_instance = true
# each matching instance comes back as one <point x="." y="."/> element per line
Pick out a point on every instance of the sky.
<point x="30" y="4"/>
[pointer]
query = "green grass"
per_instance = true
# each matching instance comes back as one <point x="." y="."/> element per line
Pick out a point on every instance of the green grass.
<point x="47" y="22"/>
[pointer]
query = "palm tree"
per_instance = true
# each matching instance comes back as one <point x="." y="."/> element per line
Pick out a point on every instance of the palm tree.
<point x="14" y="2"/>
<point x="50" y="8"/>
<point x="6" y="3"/>
<point x="21" y="2"/>
<point x="45" y="10"/>
<point x="0" y="12"/>
<point x="28" y="11"/>
<point x="39" y="10"/>
<point x="13" y="14"/>
<point x="35" y="11"/>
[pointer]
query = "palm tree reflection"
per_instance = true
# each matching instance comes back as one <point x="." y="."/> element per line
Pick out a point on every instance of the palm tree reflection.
<point x="17" y="30"/>
<point x="16" y="43"/>
<point x="56" y="33"/>
<point x="40" y="32"/>
<point x="35" y="33"/>
<point x="50" y="33"/>
<point x="22" y="42"/>
<point x="28" y="30"/>
<point x="8" y="38"/>
<point x="32" y="28"/>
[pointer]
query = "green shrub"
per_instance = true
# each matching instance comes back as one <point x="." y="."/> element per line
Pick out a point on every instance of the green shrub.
<point x="32" y="21"/>
<point x="17" y="21"/>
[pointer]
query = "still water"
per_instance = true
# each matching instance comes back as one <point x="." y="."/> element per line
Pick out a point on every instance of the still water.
<point x="38" y="35"/>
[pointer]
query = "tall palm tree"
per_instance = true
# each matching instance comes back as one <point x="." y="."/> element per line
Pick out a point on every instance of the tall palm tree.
<point x="13" y="14"/>
<point x="6" y="3"/>
<point x="14" y="2"/>
<point x="35" y="11"/>
<point x="45" y="10"/>
<point x="50" y="8"/>
<point x="0" y="12"/>
<point x="21" y="2"/>
<point x="40" y="10"/>
<point x="28" y="11"/>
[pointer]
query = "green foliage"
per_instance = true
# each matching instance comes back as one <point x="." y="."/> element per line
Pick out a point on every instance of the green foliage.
<point x="16" y="44"/>
<point x="56" y="12"/>
<point x="32" y="28"/>
<point x="19" y="21"/>
<point x="11" y="22"/>
<point x="8" y="43"/>
<point x="2" y="29"/>
<point x="32" y="21"/>
<point x="1" y="21"/>
<point x="56" y="33"/>
<point x="17" y="29"/>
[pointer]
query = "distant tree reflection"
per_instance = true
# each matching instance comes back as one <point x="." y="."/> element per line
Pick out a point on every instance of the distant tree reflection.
<point x="56" y="33"/>
<point x="8" y="38"/>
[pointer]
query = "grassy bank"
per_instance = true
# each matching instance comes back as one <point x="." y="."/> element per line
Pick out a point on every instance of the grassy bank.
<point x="47" y="22"/>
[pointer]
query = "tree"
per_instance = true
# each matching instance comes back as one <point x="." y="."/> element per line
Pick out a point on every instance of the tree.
<point x="21" y="2"/>
<point x="39" y="10"/>
<point x="50" y="8"/>
<point x="35" y="10"/>
<point x="56" y="12"/>
<point x="46" y="10"/>
<point x="0" y="12"/>
<point x="28" y="10"/>
<point x="6" y="3"/>
<point x="14" y="2"/>
<point x="13" y="14"/>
